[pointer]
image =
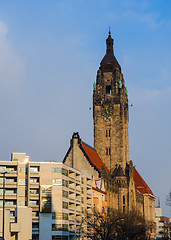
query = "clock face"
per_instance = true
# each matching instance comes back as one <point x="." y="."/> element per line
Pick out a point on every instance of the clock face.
<point x="107" y="111"/>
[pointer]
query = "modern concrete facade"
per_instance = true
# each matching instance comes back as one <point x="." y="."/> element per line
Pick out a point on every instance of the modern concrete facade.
<point x="56" y="197"/>
<point x="162" y="225"/>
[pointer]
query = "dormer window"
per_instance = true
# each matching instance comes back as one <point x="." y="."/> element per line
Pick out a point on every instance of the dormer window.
<point x="108" y="89"/>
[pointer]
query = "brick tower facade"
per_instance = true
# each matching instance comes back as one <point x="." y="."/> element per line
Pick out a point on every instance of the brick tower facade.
<point x="110" y="112"/>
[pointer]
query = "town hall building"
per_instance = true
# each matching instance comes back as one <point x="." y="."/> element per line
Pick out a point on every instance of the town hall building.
<point x="108" y="160"/>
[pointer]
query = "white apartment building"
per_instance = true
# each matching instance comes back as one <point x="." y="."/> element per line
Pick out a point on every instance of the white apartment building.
<point x="57" y="194"/>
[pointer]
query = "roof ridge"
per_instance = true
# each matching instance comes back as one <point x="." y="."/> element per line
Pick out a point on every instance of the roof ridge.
<point x="87" y="145"/>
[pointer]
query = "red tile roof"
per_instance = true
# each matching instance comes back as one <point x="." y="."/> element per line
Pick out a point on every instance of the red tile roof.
<point x="140" y="184"/>
<point x="93" y="156"/>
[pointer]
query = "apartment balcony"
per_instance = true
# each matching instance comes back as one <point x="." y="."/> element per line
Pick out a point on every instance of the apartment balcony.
<point x="72" y="197"/>
<point x="34" y="185"/>
<point x="78" y="189"/>
<point x="89" y="194"/>
<point x="11" y="207"/>
<point x="34" y="174"/>
<point x="78" y="180"/>
<point x="71" y="201"/>
<point x="35" y="218"/>
<point x="10" y="196"/>
<point x="78" y="209"/>
<point x="9" y="184"/>
<point x="89" y="203"/>
<point x="35" y="230"/>
<point x="15" y="227"/>
<point x="72" y="220"/>
<point x="12" y="173"/>
<point x="72" y="186"/>
<point x="12" y="219"/>
<point x="72" y="177"/>
<point x="34" y="196"/>
<point x="89" y="183"/>
<point x="72" y="208"/>
<point x="78" y="199"/>
<point x="46" y="208"/>
<point x="34" y="207"/>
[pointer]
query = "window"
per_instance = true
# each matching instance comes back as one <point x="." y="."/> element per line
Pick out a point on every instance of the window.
<point x="65" y="205"/>
<point x="57" y="216"/>
<point x="2" y="168"/>
<point x="82" y="180"/>
<point x="82" y="200"/>
<point x="65" y="172"/>
<point x="46" y="191"/>
<point x="35" y="225"/>
<point x="33" y="203"/>
<point x="123" y="199"/>
<point x="56" y="170"/>
<point x="11" y="169"/>
<point x="34" y="191"/>
<point x="21" y="203"/>
<point x="22" y="170"/>
<point x="11" y="179"/>
<point x="60" y="216"/>
<point x="64" y="183"/>
<point x="102" y="197"/>
<point x="103" y="209"/>
<point x="94" y="207"/>
<point x="21" y="192"/>
<point x="57" y="181"/>
<point x="59" y="227"/>
<point x="12" y="214"/>
<point x="108" y="151"/>
<point x="108" y="89"/>
<point x="34" y="169"/>
<point x="9" y="191"/>
<point x="107" y="132"/>
<point x="64" y="194"/>
<point x="124" y="204"/>
<point x="35" y="214"/>
<point x="9" y="203"/>
<point x="34" y="180"/>
<point x="65" y="216"/>
<point x="21" y="182"/>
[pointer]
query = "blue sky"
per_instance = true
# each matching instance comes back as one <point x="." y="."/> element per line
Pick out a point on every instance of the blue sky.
<point x="49" y="55"/>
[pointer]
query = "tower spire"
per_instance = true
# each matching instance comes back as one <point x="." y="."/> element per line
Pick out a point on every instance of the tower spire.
<point x="109" y="31"/>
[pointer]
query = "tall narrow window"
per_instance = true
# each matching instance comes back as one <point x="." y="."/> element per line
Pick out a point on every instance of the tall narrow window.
<point x="108" y="151"/>
<point x="123" y="199"/>
<point x="108" y="89"/>
<point x="123" y="204"/>
<point x="107" y="132"/>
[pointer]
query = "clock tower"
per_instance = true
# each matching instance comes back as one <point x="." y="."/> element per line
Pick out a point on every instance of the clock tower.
<point x="110" y="112"/>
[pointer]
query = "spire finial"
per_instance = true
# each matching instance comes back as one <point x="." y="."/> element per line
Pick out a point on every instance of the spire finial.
<point x="109" y="31"/>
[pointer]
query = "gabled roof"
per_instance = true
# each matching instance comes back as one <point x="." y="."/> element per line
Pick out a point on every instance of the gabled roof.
<point x="140" y="184"/>
<point x="93" y="156"/>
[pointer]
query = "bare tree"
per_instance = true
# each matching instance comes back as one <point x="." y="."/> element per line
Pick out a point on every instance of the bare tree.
<point x="116" y="226"/>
